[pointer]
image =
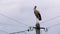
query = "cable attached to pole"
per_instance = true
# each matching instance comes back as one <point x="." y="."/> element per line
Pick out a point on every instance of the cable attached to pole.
<point x="13" y="19"/>
<point x="50" y="19"/>
<point x="30" y="29"/>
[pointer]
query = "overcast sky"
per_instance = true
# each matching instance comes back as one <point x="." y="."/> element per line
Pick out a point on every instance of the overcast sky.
<point x="22" y="11"/>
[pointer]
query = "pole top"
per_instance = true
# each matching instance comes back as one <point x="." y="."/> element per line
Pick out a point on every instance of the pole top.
<point x="37" y="24"/>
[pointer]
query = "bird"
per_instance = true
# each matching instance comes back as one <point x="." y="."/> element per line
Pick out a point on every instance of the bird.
<point x="37" y="14"/>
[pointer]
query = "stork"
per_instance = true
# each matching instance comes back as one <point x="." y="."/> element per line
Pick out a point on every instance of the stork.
<point x="37" y="14"/>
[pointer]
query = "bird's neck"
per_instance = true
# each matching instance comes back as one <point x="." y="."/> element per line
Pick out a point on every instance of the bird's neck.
<point x="35" y="9"/>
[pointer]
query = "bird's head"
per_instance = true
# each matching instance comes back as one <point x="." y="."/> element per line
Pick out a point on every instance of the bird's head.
<point x="35" y="7"/>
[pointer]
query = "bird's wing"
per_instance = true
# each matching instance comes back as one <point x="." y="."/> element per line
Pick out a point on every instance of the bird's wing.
<point x="37" y="14"/>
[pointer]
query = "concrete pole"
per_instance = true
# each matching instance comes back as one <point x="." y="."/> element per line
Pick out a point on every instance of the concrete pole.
<point x="37" y="28"/>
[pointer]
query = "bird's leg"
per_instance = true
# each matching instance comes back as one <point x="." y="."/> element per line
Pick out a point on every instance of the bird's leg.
<point x="37" y="21"/>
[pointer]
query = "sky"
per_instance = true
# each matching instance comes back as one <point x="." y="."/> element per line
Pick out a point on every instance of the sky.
<point x="22" y="11"/>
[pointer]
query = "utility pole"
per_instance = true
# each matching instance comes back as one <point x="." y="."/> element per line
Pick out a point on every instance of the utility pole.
<point x="37" y="28"/>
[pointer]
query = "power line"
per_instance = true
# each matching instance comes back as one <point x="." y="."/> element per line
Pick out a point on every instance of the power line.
<point x="20" y="31"/>
<point x="34" y="2"/>
<point x="30" y="29"/>
<point x="13" y="19"/>
<point x="51" y="19"/>
<point x="53" y="25"/>
<point x="10" y="25"/>
<point x="16" y="21"/>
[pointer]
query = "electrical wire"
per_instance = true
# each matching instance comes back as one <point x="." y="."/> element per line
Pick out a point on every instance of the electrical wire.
<point x="34" y="2"/>
<point x="30" y="29"/>
<point x="53" y="25"/>
<point x="19" y="32"/>
<point x="16" y="21"/>
<point x="13" y="19"/>
<point x="50" y="19"/>
<point x="10" y="25"/>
